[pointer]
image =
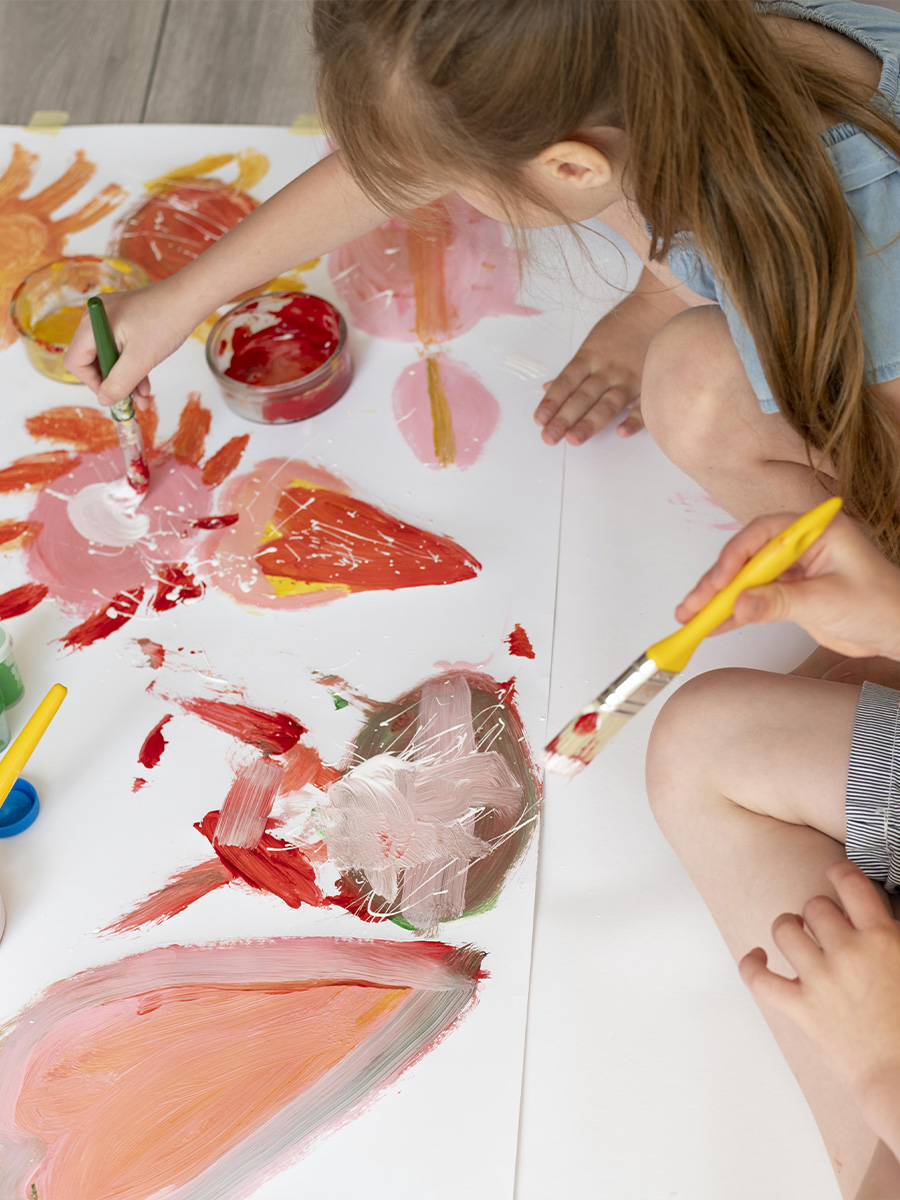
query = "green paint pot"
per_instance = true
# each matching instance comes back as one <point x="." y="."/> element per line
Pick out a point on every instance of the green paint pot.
<point x="12" y="689"/>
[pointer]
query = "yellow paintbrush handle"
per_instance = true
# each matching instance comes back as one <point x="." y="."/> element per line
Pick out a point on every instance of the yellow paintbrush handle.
<point x="673" y="653"/>
<point x="35" y="727"/>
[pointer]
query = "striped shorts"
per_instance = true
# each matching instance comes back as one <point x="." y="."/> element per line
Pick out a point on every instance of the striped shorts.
<point x="873" y="787"/>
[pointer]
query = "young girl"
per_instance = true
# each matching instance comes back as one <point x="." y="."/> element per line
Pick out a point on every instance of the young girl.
<point x="764" y="785"/>
<point x="749" y="153"/>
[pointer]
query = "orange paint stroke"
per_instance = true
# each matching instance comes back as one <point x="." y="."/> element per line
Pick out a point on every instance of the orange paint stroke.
<point x="304" y="766"/>
<point x="224" y="461"/>
<point x="441" y="420"/>
<point x="427" y="249"/>
<point x="16" y="535"/>
<point x="34" y="471"/>
<point x="175" y="896"/>
<point x="29" y="237"/>
<point x="193" y="426"/>
<point x="85" y="429"/>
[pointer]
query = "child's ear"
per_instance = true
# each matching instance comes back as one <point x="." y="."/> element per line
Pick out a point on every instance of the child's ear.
<point x="576" y="163"/>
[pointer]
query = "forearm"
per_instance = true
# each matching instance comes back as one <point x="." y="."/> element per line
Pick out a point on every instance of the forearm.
<point x="320" y="210"/>
<point x="882" y="1179"/>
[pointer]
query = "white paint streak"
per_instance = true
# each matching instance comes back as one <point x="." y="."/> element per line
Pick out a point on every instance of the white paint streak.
<point x="107" y="514"/>
<point x="524" y="367"/>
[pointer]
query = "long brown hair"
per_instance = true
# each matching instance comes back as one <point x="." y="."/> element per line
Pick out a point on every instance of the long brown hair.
<point x="722" y="127"/>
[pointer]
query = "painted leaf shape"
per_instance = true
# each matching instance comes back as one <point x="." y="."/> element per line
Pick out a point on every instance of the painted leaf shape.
<point x="327" y="537"/>
<point x="444" y="411"/>
<point x="196" y="1072"/>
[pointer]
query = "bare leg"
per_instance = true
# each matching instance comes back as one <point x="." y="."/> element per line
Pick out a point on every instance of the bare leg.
<point x="746" y="774"/>
<point x="699" y="406"/>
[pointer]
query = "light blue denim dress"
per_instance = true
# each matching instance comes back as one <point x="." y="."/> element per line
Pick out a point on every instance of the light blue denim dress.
<point x="870" y="177"/>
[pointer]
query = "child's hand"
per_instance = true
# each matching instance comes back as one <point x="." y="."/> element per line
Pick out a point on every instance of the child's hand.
<point x="603" y="380"/>
<point x="842" y="591"/>
<point x="846" y="997"/>
<point x="147" y="326"/>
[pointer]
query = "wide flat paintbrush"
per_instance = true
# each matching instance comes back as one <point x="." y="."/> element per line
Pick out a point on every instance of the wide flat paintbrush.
<point x="586" y="735"/>
<point x="128" y="431"/>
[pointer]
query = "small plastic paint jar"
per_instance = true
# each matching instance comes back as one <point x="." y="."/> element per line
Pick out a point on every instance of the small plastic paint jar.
<point x="12" y="689"/>
<point x="280" y="357"/>
<point x="5" y="734"/>
<point x="47" y="306"/>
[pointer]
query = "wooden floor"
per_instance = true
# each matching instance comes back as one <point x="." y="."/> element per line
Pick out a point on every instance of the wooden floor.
<point x="183" y="61"/>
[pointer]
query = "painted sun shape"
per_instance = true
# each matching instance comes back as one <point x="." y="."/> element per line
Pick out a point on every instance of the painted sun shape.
<point x="29" y="236"/>
<point x="285" y="535"/>
<point x="428" y="282"/>
<point x="189" y="208"/>
<point x="198" y="1072"/>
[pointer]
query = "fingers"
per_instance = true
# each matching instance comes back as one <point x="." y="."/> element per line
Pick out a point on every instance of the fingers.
<point x="765" y="985"/>
<point x="795" y="943"/>
<point x="859" y="896"/>
<point x="81" y="357"/>
<point x="826" y="922"/>
<point x="633" y="423"/>
<point x="603" y="409"/>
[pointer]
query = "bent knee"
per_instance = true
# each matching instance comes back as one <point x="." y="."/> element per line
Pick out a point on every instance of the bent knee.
<point x="687" y="739"/>
<point x="691" y="366"/>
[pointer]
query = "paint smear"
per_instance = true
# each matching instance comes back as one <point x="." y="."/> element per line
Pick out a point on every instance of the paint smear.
<point x="16" y="535"/>
<point x="193" y="426"/>
<point x="224" y="461"/>
<point x="430" y="284"/>
<point x="36" y="470"/>
<point x="176" y="586"/>
<point x="519" y="643"/>
<point x="21" y="600"/>
<point x="83" y="429"/>
<point x="106" y="620"/>
<point x="439" y="805"/>
<point x="701" y="509"/>
<point x="29" y="235"/>
<point x="302" y="767"/>
<point x="180" y="891"/>
<point x="270" y="732"/>
<point x="199" y="1072"/>
<point x="245" y="811"/>
<point x="270" y="866"/>
<point x="444" y="411"/>
<point x="153" y="652"/>
<point x="304" y="540"/>
<point x="154" y="744"/>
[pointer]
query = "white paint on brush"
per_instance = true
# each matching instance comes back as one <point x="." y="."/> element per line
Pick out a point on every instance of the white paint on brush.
<point x="108" y="514"/>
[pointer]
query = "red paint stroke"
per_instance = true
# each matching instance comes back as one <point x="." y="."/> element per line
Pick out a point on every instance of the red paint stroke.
<point x="37" y="470"/>
<point x="586" y="723"/>
<point x="302" y="766"/>
<point x="174" y="897"/>
<point x="16" y="535"/>
<point x="337" y="683"/>
<point x="271" y="866"/>
<point x="352" y="900"/>
<point x="223" y="462"/>
<point x="138" y="784"/>
<point x="304" y="335"/>
<point x="330" y="537"/>
<point x="21" y="600"/>
<point x="519" y="643"/>
<point x="170" y="229"/>
<point x="154" y="652"/>
<point x="216" y="522"/>
<point x="176" y="584"/>
<point x="106" y="620"/>
<point x="154" y="744"/>
<point x="193" y="426"/>
<point x="271" y="732"/>
<point x="85" y="429"/>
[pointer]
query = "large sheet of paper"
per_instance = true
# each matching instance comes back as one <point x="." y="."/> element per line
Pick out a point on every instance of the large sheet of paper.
<point x="331" y="994"/>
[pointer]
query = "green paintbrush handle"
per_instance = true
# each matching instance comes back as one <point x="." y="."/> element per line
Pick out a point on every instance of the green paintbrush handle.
<point x="107" y="354"/>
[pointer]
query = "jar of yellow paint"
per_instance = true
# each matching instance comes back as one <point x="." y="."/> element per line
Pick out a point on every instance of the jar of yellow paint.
<point x="48" y="305"/>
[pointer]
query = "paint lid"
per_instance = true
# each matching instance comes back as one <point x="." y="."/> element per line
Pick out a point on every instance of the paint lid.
<point x="6" y="643"/>
<point x="19" y="809"/>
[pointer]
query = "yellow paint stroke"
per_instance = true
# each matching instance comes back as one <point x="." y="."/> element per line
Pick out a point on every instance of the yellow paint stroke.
<point x="427" y="247"/>
<point x="441" y="420"/>
<point x="307" y="125"/>
<point x="283" y="586"/>
<point x="252" y="166"/>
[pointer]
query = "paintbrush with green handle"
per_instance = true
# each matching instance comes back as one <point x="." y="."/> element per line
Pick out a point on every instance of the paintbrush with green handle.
<point x="586" y="735"/>
<point x="128" y="431"/>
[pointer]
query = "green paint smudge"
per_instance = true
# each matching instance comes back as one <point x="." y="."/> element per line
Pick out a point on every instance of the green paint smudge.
<point x="32" y="1195"/>
<point x="339" y="701"/>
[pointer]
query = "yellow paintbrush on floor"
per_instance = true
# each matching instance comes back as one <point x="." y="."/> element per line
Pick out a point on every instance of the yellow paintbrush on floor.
<point x="586" y="735"/>
<point x="21" y="808"/>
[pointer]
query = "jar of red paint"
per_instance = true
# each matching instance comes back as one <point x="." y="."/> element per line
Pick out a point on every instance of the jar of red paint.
<point x="280" y="357"/>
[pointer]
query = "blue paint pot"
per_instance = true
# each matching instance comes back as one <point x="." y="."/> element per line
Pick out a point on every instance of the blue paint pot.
<point x="19" y="809"/>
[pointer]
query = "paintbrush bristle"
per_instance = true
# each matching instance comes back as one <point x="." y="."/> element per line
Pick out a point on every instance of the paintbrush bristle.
<point x="598" y="723"/>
